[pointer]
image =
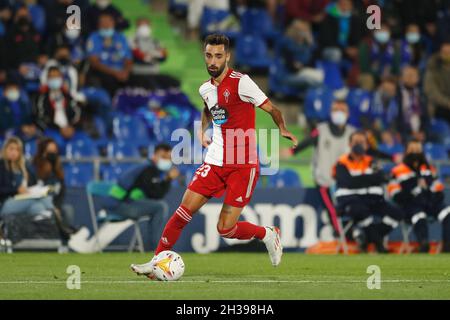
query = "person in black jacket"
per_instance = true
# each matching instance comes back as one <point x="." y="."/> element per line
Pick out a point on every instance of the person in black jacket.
<point x="56" y="109"/>
<point x="145" y="196"/>
<point x="340" y="32"/>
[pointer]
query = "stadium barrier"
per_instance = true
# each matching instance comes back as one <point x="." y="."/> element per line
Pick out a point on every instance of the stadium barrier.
<point x="298" y="211"/>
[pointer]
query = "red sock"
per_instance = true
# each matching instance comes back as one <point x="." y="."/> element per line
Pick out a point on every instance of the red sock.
<point x="181" y="217"/>
<point x="244" y="231"/>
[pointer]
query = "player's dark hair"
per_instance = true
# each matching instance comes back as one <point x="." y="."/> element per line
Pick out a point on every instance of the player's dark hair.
<point x="216" y="40"/>
<point x="163" y="147"/>
<point x="356" y="133"/>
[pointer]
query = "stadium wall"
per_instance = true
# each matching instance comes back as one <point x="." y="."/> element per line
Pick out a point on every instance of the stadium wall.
<point x="298" y="211"/>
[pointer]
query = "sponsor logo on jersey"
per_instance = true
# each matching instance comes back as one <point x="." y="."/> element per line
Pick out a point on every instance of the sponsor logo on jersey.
<point x="219" y="114"/>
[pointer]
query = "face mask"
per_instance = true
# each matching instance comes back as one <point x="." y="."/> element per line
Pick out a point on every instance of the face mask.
<point x="55" y="83"/>
<point x="23" y="22"/>
<point x="64" y="61"/>
<point x="164" y="164"/>
<point x="106" y="33"/>
<point x="412" y="158"/>
<point x="12" y="95"/>
<point x="72" y="34"/>
<point x="52" y="157"/>
<point x="358" y="149"/>
<point x="144" y="31"/>
<point x="412" y="37"/>
<point x="382" y="36"/>
<point x="102" y="4"/>
<point x="339" y="118"/>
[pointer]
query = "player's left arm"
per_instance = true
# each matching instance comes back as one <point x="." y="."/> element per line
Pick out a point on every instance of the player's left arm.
<point x="250" y="92"/>
<point x="278" y="119"/>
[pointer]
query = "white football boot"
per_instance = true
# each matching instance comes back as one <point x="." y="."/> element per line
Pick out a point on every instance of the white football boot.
<point x="273" y="244"/>
<point x="145" y="269"/>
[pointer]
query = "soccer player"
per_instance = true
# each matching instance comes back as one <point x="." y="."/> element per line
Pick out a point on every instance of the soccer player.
<point x="231" y="163"/>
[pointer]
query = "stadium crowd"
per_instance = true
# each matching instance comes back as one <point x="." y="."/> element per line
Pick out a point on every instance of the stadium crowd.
<point x="93" y="92"/>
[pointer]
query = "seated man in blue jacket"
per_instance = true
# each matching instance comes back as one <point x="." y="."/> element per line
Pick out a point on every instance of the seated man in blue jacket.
<point x="142" y="189"/>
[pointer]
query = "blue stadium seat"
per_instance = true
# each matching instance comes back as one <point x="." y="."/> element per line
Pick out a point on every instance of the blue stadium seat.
<point x="391" y="150"/>
<point x="78" y="174"/>
<point x="439" y="127"/>
<point x="121" y="149"/>
<point x="258" y="22"/>
<point x="111" y="172"/>
<point x="80" y="148"/>
<point x="436" y="151"/>
<point x="284" y="178"/>
<point x="164" y="127"/>
<point x="210" y="16"/>
<point x="444" y="172"/>
<point x="333" y="77"/>
<point x="130" y="128"/>
<point x="178" y="7"/>
<point x="358" y="101"/>
<point x="277" y="75"/>
<point x="251" y="51"/>
<point x="318" y="103"/>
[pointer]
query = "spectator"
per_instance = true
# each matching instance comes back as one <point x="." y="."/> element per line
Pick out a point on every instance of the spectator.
<point x="55" y="107"/>
<point x="109" y="56"/>
<point x="424" y="13"/>
<point x="15" y="178"/>
<point x="416" y="188"/>
<point x="37" y="14"/>
<point x="101" y="7"/>
<point x="331" y="141"/>
<point x="296" y="50"/>
<point x="95" y="101"/>
<point x="49" y="171"/>
<point x="16" y="112"/>
<point x="195" y="10"/>
<point x="381" y="120"/>
<point x="148" y="54"/>
<point x="24" y="49"/>
<point x="312" y="11"/>
<point x="6" y="13"/>
<point x="379" y="55"/>
<point x="57" y="13"/>
<point x="360" y="195"/>
<point x="147" y="189"/>
<point x="437" y="78"/>
<point x="340" y="32"/>
<point x="413" y="48"/>
<point x="73" y="40"/>
<point x="412" y="109"/>
<point x="61" y="59"/>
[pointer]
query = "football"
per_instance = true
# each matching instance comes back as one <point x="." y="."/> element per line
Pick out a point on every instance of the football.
<point x="168" y="266"/>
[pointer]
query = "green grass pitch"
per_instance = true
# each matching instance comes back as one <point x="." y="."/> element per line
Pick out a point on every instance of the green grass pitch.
<point x="227" y="276"/>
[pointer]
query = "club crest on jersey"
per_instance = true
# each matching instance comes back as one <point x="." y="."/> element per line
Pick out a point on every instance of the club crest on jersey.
<point x="219" y="114"/>
<point x="226" y="94"/>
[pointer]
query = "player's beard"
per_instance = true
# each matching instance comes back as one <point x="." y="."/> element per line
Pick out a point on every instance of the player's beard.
<point x="216" y="72"/>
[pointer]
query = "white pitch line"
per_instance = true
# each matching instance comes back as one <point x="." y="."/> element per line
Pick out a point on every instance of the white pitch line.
<point x="227" y="281"/>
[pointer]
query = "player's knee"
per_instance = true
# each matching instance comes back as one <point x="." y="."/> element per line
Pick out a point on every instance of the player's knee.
<point x="226" y="232"/>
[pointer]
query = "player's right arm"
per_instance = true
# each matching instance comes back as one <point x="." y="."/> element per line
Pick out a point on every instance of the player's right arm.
<point x="206" y="121"/>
